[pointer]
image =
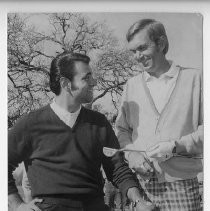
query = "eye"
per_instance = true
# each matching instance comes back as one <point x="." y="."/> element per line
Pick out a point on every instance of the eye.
<point x="87" y="77"/>
<point x="142" y="48"/>
<point x="133" y="51"/>
<point x="139" y="49"/>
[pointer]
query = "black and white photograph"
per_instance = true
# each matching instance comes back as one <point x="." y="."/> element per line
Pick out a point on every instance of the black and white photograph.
<point x="105" y="111"/>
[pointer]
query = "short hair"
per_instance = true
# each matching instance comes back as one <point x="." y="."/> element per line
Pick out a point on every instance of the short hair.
<point x="64" y="65"/>
<point x="155" y="30"/>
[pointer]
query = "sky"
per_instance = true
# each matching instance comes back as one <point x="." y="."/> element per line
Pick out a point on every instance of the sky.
<point x="184" y="31"/>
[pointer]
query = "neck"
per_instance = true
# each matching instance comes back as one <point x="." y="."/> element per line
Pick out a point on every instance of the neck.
<point x="163" y="67"/>
<point x="67" y="104"/>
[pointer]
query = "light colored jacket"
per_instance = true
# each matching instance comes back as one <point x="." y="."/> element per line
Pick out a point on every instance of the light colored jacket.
<point x="139" y="125"/>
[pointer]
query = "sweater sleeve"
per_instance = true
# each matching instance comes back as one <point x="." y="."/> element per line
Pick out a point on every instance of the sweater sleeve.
<point x="193" y="143"/>
<point x="116" y="169"/>
<point x="17" y="150"/>
<point x="123" y="130"/>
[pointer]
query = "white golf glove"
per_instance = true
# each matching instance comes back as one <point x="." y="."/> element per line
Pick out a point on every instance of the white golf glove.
<point x="161" y="151"/>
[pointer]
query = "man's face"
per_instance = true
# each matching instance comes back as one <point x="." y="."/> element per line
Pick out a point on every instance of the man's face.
<point x="83" y="83"/>
<point x="146" y="52"/>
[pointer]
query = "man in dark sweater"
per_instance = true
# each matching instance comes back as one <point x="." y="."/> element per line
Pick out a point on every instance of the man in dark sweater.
<point x="62" y="144"/>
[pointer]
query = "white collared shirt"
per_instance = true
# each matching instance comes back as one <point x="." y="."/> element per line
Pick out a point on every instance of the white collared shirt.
<point x="162" y="87"/>
<point x="67" y="117"/>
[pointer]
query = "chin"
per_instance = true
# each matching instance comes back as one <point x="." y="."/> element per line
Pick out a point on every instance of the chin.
<point x="148" y="70"/>
<point x="88" y="100"/>
<point x="148" y="67"/>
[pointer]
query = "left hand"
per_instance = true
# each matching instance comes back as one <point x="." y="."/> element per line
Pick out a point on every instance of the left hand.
<point x="145" y="206"/>
<point x="161" y="151"/>
<point x="29" y="206"/>
<point x="134" y="195"/>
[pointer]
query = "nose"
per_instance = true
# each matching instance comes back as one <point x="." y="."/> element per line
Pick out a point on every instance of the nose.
<point x="93" y="82"/>
<point x="138" y="55"/>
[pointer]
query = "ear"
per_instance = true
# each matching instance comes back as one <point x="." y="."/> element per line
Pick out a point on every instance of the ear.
<point x="162" y="43"/>
<point x="65" y="84"/>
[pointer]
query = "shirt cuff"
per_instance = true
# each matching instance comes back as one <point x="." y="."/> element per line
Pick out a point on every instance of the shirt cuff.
<point x="126" y="154"/>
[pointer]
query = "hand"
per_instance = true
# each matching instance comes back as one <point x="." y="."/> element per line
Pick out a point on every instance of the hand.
<point x="144" y="206"/>
<point x="161" y="151"/>
<point x="140" y="204"/>
<point x="140" y="164"/>
<point x="29" y="206"/>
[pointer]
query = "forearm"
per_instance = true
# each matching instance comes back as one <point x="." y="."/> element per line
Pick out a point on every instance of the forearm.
<point x="118" y="172"/>
<point x="122" y="126"/>
<point x="191" y="143"/>
<point x="124" y="134"/>
<point x="14" y="201"/>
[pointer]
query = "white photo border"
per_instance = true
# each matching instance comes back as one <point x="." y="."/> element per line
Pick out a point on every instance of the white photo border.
<point x="202" y="7"/>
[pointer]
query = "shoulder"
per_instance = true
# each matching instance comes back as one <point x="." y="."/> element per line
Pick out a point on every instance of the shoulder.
<point x="92" y="113"/>
<point x="20" y="124"/>
<point x="42" y="113"/>
<point x="188" y="71"/>
<point x="133" y="83"/>
<point x="94" y="117"/>
<point x="26" y="119"/>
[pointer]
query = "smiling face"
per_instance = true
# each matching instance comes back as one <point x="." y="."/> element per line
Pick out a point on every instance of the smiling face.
<point x="146" y="52"/>
<point x="82" y="83"/>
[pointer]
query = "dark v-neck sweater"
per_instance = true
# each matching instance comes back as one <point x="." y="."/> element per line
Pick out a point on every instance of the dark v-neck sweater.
<point x="64" y="160"/>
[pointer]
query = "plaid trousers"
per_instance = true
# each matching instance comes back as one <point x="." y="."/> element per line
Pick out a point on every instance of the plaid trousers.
<point x="181" y="195"/>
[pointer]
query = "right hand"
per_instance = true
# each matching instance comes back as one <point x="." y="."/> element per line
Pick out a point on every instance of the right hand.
<point x="29" y="206"/>
<point x="140" y="164"/>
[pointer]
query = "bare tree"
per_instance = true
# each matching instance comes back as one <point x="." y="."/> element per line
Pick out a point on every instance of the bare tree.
<point x="74" y="32"/>
<point x="27" y="87"/>
<point x="29" y="58"/>
<point x="114" y="68"/>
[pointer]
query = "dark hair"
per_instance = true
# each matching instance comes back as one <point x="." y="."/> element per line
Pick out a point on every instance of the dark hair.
<point x="63" y="65"/>
<point x="155" y="30"/>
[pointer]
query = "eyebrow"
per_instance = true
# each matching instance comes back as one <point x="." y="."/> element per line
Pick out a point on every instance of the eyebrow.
<point x="139" y="46"/>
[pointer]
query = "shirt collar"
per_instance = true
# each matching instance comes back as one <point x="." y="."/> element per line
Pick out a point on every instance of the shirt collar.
<point x="172" y="72"/>
<point x="64" y="113"/>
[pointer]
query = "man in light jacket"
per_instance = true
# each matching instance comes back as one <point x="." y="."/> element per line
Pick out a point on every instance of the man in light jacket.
<point x="161" y="114"/>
